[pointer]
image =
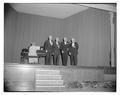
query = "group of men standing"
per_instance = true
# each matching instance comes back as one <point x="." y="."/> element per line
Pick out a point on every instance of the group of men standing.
<point x="57" y="48"/>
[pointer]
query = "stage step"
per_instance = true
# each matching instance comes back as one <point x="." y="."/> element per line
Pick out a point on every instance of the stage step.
<point x="49" y="80"/>
<point x="50" y="88"/>
<point x="48" y="72"/>
<point x="48" y="77"/>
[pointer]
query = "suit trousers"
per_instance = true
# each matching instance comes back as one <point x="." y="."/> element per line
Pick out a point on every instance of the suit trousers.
<point x="73" y="59"/>
<point x="48" y="58"/>
<point x="56" y="59"/>
<point x="64" y="58"/>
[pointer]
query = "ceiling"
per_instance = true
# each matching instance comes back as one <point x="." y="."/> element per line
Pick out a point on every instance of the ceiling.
<point x="59" y="10"/>
<point x="51" y="10"/>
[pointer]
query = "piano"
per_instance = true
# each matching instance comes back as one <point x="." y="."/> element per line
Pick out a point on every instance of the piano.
<point x="40" y="53"/>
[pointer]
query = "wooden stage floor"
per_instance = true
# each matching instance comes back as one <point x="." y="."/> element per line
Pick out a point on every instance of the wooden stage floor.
<point x="36" y="77"/>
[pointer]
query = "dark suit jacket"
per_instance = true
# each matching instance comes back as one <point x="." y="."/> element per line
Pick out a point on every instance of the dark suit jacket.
<point x="64" y="48"/>
<point x="73" y="50"/>
<point x="48" y="46"/>
<point x="56" y="48"/>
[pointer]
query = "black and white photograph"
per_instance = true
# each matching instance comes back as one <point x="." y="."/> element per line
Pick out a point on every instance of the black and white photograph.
<point x="60" y="47"/>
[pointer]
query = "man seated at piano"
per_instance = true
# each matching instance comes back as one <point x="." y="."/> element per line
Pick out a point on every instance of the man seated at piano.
<point x="33" y="58"/>
<point x="24" y="56"/>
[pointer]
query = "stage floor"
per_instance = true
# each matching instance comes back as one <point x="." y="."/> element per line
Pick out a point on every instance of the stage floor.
<point x="24" y="76"/>
<point x="53" y="66"/>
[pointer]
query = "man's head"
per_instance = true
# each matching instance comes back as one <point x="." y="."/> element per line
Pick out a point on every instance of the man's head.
<point x="65" y="39"/>
<point x="56" y="39"/>
<point x="50" y="37"/>
<point x="73" y="40"/>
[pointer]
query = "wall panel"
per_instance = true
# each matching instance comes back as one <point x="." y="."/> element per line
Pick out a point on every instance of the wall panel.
<point x="31" y="28"/>
<point x="9" y="33"/>
<point x="91" y="28"/>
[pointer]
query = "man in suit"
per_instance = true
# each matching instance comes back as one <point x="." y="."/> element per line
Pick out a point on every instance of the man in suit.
<point x="73" y="51"/>
<point x="48" y="47"/>
<point x="56" y="51"/>
<point x="64" y="51"/>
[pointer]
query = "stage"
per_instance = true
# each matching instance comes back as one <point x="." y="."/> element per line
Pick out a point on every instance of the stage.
<point x="36" y="77"/>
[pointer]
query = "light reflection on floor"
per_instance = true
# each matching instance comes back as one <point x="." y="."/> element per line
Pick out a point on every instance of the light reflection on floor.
<point x="21" y="86"/>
